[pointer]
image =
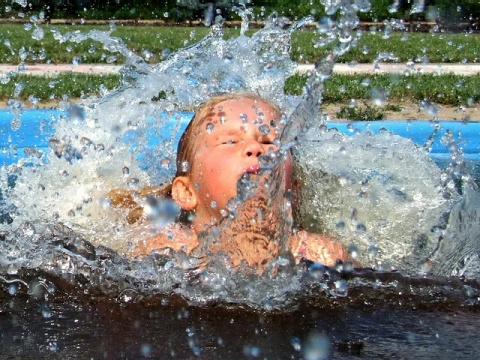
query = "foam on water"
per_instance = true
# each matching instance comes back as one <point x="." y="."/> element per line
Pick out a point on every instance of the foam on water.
<point x="381" y="195"/>
<point x="385" y="197"/>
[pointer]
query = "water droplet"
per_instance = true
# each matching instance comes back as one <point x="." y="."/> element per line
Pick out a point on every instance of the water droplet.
<point x="133" y="182"/>
<point x="210" y="127"/>
<point x="28" y="228"/>
<point x="33" y="99"/>
<point x="393" y="8"/>
<point x="4" y="79"/>
<point x="264" y="129"/>
<point x="296" y="343"/>
<point x="38" y="33"/>
<point x="378" y="96"/>
<point x="251" y="350"/>
<point x="429" y="107"/>
<point x="353" y="251"/>
<point x="184" y="166"/>
<point x="22" y="3"/>
<point x="15" y="124"/>
<point x="341" y="288"/>
<point x="316" y="347"/>
<point x="147" y="54"/>
<point x="372" y="251"/>
<point x="365" y="82"/>
<point x="52" y="346"/>
<point x="99" y="147"/>
<point x="45" y="311"/>
<point x="213" y="204"/>
<point x="228" y="57"/>
<point x="325" y="24"/>
<point x="361" y="229"/>
<point x="12" y="289"/>
<point x="18" y="88"/>
<point x="244" y="118"/>
<point x="146" y="350"/>
<point x="417" y="7"/>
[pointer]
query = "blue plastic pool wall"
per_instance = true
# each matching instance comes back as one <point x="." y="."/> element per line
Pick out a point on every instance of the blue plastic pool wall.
<point x="37" y="127"/>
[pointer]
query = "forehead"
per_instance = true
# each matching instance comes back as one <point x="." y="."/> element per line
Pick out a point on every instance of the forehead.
<point x="243" y="110"/>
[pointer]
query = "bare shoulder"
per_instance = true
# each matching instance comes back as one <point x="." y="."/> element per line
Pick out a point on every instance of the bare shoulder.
<point x="317" y="247"/>
<point x="175" y="237"/>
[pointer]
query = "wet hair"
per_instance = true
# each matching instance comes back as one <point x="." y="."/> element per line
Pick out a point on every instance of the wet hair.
<point x="186" y="150"/>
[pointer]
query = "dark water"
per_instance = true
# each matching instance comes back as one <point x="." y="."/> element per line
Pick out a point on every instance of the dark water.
<point x="402" y="318"/>
<point x="109" y="331"/>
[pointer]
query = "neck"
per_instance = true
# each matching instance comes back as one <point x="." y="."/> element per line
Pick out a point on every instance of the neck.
<point x="203" y="220"/>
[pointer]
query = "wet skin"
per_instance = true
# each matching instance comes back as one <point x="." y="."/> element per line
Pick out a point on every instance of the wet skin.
<point x="228" y="144"/>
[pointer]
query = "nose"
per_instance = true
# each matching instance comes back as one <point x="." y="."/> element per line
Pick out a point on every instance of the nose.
<point x="253" y="148"/>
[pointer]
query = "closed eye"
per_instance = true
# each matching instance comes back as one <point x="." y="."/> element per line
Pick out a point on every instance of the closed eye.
<point x="230" y="142"/>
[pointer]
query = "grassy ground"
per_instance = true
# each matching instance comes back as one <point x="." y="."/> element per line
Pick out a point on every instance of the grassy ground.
<point x="447" y="89"/>
<point x="65" y="44"/>
<point x="346" y="97"/>
<point x="66" y="85"/>
<point x="454" y="90"/>
<point x="60" y="44"/>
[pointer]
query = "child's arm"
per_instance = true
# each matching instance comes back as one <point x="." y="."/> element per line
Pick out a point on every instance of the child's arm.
<point x="319" y="248"/>
<point x="175" y="238"/>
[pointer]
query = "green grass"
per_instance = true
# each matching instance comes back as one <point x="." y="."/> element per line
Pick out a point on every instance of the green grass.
<point x="15" y="40"/>
<point x="159" y="41"/>
<point x="454" y="90"/>
<point x="418" y="47"/>
<point x="63" y="86"/>
<point x="441" y="89"/>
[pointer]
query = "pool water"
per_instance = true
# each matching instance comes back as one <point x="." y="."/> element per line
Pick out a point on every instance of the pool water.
<point x="370" y="323"/>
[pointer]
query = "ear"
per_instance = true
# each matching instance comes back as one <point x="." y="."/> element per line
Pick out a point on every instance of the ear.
<point x="183" y="193"/>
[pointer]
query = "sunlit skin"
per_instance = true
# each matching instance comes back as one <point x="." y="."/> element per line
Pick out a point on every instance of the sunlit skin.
<point x="227" y="145"/>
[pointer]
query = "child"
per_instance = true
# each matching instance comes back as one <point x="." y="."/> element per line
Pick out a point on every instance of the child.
<point x="221" y="144"/>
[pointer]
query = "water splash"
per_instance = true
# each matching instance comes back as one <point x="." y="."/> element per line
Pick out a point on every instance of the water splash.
<point x="383" y="195"/>
<point x="62" y="223"/>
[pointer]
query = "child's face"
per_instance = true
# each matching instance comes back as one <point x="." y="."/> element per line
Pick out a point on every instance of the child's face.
<point x="228" y="143"/>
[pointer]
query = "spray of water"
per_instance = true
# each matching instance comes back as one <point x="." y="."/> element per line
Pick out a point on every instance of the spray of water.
<point x="381" y="195"/>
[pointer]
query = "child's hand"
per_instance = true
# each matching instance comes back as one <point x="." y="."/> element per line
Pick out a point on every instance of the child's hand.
<point x="319" y="248"/>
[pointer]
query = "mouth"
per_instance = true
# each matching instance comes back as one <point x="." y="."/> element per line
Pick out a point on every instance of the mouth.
<point x="252" y="169"/>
